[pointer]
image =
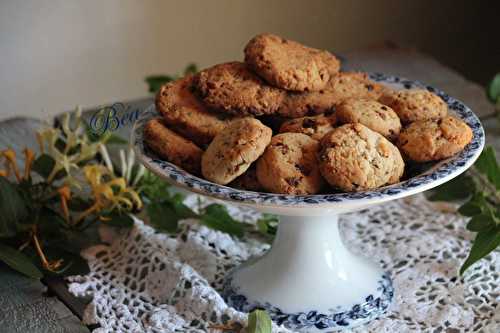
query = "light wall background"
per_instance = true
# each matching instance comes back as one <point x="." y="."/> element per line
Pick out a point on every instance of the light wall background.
<point x="55" y="54"/>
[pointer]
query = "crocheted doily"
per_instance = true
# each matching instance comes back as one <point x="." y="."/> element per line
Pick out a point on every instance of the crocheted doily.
<point x="146" y="281"/>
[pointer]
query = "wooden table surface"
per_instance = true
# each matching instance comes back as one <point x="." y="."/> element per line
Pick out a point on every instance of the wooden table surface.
<point x="34" y="306"/>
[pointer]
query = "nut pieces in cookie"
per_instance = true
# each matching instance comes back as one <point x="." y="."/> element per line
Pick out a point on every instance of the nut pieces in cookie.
<point x="432" y="140"/>
<point x="233" y="88"/>
<point x="172" y="147"/>
<point x="415" y="104"/>
<point x="290" y="65"/>
<point x="234" y="149"/>
<point x="185" y="113"/>
<point x="355" y="158"/>
<point x="377" y="117"/>
<point x="289" y="165"/>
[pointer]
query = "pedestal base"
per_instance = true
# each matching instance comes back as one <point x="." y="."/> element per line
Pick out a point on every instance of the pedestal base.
<point x="309" y="281"/>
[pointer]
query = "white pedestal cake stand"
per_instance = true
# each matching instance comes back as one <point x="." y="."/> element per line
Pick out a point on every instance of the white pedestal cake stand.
<point x="309" y="281"/>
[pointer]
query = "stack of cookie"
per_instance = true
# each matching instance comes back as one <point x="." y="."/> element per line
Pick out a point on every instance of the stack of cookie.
<point x="287" y="120"/>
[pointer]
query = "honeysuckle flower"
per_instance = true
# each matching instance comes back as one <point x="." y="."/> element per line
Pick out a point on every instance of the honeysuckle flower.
<point x="64" y="196"/>
<point x="11" y="162"/>
<point x="109" y="192"/>
<point x="50" y="265"/>
<point x="77" y="147"/>
<point x="29" y="157"/>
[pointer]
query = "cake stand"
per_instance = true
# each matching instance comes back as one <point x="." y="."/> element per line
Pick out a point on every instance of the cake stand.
<point x="309" y="281"/>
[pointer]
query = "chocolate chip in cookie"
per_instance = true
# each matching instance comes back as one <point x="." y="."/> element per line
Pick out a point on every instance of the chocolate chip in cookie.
<point x="315" y="127"/>
<point x="432" y="140"/>
<point x="343" y="86"/>
<point x="355" y="158"/>
<point x="415" y="104"/>
<point x="233" y="150"/>
<point x="289" y="165"/>
<point x="374" y="115"/>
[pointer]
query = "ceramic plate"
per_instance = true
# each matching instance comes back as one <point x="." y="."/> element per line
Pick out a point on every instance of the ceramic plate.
<point x="424" y="177"/>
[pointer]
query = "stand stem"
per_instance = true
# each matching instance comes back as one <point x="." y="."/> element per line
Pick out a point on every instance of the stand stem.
<point x="308" y="265"/>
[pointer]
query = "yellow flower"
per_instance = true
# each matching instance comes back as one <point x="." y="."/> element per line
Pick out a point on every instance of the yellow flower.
<point x="65" y="196"/>
<point x="108" y="192"/>
<point x="11" y="162"/>
<point x="29" y="157"/>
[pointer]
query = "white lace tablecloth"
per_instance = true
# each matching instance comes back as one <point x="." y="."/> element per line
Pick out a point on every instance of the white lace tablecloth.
<point x="145" y="281"/>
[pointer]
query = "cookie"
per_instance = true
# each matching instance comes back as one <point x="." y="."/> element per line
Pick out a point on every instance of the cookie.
<point x="343" y="86"/>
<point x="432" y="140"/>
<point x="290" y="65"/>
<point x="289" y="165"/>
<point x="377" y="117"/>
<point x="233" y="150"/>
<point x="185" y="113"/>
<point x="415" y="104"/>
<point x="172" y="147"/>
<point x="233" y="88"/>
<point x="315" y="127"/>
<point x="355" y="158"/>
<point x="248" y="181"/>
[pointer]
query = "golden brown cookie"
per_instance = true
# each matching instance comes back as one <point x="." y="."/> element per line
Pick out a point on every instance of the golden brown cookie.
<point x="233" y="88"/>
<point x="374" y="115"/>
<point x="355" y="158"/>
<point x="184" y="113"/>
<point x="248" y="181"/>
<point x="432" y="140"/>
<point x="234" y="149"/>
<point x="415" y="104"/>
<point x="341" y="87"/>
<point x="172" y="147"/>
<point x="289" y="165"/>
<point x="315" y="127"/>
<point x="290" y="65"/>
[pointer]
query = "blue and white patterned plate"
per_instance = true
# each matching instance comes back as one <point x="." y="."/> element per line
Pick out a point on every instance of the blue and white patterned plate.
<point x="428" y="177"/>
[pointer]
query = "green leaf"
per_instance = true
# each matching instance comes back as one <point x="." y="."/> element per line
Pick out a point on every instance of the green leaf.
<point x="13" y="208"/>
<point x="155" y="82"/>
<point x="73" y="263"/>
<point x="482" y="222"/>
<point x="493" y="90"/>
<point x="153" y="188"/>
<point x="259" y="322"/>
<point x="114" y="139"/>
<point x="470" y="208"/>
<point x="119" y="220"/>
<point x="19" y="262"/>
<point x="44" y="165"/>
<point x="268" y="224"/>
<point x="50" y="223"/>
<point x="485" y="242"/>
<point x="182" y="211"/>
<point x="215" y="216"/>
<point x="458" y="188"/>
<point x="162" y="216"/>
<point x="487" y="164"/>
<point x="191" y="69"/>
<point x="474" y="206"/>
<point x="79" y="204"/>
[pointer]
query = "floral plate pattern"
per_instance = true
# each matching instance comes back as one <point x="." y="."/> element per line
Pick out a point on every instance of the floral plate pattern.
<point x="435" y="174"/>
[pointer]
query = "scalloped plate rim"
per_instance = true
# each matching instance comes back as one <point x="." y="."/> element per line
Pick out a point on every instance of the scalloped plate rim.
<point x="438" y="174"/>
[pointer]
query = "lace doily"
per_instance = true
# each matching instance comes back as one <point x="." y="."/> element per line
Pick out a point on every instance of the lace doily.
<point x="145" y="281"/>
